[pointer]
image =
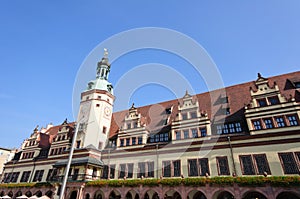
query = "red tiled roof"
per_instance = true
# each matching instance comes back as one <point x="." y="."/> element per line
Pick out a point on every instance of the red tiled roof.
<point x="211" y="102"/>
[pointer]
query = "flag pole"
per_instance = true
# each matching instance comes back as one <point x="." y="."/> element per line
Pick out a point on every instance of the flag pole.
<point x="63" y="186"/>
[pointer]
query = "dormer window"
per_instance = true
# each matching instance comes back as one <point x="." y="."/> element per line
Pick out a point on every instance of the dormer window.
<point x="128" y="125"/>
<point x="297" y="84"/>
<point x="168" y="111"/>
<point x="262" y="102"/>
<point x="193" y="115"/>
<point x="227" y="112"/>
<point x="184" y="116"/>
<point x="273" y="100"/>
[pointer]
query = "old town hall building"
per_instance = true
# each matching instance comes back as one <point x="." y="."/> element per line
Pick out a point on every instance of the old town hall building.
<point x="246" y="130"/>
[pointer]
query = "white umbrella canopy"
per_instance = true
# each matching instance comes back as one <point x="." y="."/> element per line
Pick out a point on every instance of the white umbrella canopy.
<point x="5" y="197"/>
<point x="22" y="197"/>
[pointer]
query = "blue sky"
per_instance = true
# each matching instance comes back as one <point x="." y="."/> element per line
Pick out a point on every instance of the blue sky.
<point x="43" y="44"/>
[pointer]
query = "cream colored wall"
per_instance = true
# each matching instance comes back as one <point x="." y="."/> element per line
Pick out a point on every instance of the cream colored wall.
<point x="271" y="152"/>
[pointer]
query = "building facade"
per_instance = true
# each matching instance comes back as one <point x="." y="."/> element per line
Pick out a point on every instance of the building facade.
<point x="246" y="130"/>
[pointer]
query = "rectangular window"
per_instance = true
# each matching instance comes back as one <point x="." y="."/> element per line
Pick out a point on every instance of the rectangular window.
<point x="219" y="129"/>
<point x="225" y="129"/>
<point x="223" y="167"/>
<point x="288" y="163"/>
<point x="231" y="128"/>
<point x="193" y="115"/>
<point x="292" y="120"/>
<point x="140" y="140"/>
<point x="105" y="172"/>
<point x="178" y="135"/>
<point x="15" y="176"/>
<point x="112" y="171"/>
<point x="156" y="137"/>
<point x="262" y="102"/>
<point x="194" y="133"/>
<point x="203" y="166"/>
<point x="152" y="138"/>
<point x="127" y="141"/>
<point x="273" y="100"/>
<point x="49" y="175"/>
<point x="142" y="169"/>
<point x="280" y="122"/>
<point x="186" y="134"/>
<point x="130" y="170"/>
<point x="177" y="168"/>
<point x="184" y="116"/>
<point x="38" y="175"/>
<point x="247" y="165"/>
<point x="166" y="168"/>
<point x="256" y="124"/>
<point x="122" y="170"/>
<point x="150" y="169"/>
<point x="161" y="137"/>
<point x="268" y="123"/>
<point x="135" y="125"/>
<point x="262" y="164"/>
<point x="238" y="127"/>
<point x="203" y="132"/>
<point x="133" y="140"/>
<point x="166" y="137"/>
<point x="168" y="111"/>
<point x="104" y="129"/>
<point x="77" y="145"/>
<point x="227" y="112"/>
<point x="128" y="125"/>
<point x="25" y="176"/>
<point x="121" y="142"/>
<point x="193" y="169"/>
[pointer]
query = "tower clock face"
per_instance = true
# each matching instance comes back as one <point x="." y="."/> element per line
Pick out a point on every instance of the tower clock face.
<point x="107" y="111"/>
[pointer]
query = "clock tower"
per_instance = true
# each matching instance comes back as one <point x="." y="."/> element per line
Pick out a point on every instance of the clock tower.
<point x="95" y="110"/>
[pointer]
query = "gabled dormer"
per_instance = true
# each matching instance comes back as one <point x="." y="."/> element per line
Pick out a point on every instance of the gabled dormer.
<point x="190" y="122"/>
<point x="132" y="119"/>
<point x="269" y="111"/>
<point x="188" y="107"/>
<point x="264" y="94"/>
<point x="133" y="132"/>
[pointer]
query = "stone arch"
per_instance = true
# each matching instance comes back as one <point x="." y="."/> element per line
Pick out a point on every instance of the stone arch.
<point x="151" y="194"/>
<point x="287" y="194"/>
<point x="114" y="194"/>
<point x="254" y="194"/>
<point x="28" y="194"/>
<point x="196" y="194"/>
<point x="10" y="194"/>
<point x="49" y="193"/>
<point x="224" y="194"/>
<point x="38" y="193"/>
<point x="87" y="196"/>
<point x="73" y="195"/>
<point x="19" y="193"/>
<point x="132" y="194"/>
<point x="99" y="195"/>
<point x="172" y="194"/>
